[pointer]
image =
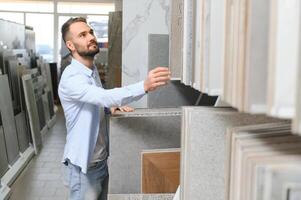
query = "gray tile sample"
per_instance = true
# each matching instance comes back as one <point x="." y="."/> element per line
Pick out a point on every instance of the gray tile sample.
<point x="158" y="50"/>
<point x="203" y="154"/>
<point x="114" y="50"/>
<point x="140" y="196"/>
<point x="9" y="125"/>
<point x="130" y="133"/>
<point x="3" y="155"/>
<point x="174" y="94"/>
<point x="22" y="131"/>
<point x="176" y="39"/>
<point x="29" y="82"/>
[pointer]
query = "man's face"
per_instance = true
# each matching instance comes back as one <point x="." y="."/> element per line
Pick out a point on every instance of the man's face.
<point x="83" y="40"/>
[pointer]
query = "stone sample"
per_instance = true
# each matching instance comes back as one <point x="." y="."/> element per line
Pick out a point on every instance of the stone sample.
<point x="3" y="155"/>
<point x="9" y="125"/>
<point x="130" y="134"/>
<point x="160" y="171"/>
<point x="140" y="196"/>
<point x="203" y="156"/>
<point x="176" y="39"/>
<point x="114" y="50"/>
<point x="31" y="93"/>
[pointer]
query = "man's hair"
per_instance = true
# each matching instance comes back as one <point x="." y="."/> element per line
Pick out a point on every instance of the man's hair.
<point x="67" y="24"/>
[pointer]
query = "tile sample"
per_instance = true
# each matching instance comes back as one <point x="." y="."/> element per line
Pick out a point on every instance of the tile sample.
<point x="130" y="133"/>
<point x="188" y="42"/>
<point x="276" y="177"/>
<point x="22" y="131"/>
<point x="174" y="94"/>
<point x="140" y="196"/>
<point x="29" y="86"/>
<point x="3" y="154"/>
<point x="8" y="120"/>
<point x="160" y="171"/>
<point x="257" y="57"/>
<point x="297" y="117"/>
<point x="216" y="46"/>
<point x="203" y="154"/>
<point x="158" y="50"/>
<point x="140" y="18"/>
<point x="283" y="57"/>
<point x="253" y="138"/>
<point x="114" y="50"/>
<point x="176" y="39"/>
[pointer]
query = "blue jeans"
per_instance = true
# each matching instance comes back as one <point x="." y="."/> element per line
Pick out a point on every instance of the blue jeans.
<point x="90" y="186"/>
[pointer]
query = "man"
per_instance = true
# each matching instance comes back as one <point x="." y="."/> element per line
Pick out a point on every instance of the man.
<point x="84" y="101"/>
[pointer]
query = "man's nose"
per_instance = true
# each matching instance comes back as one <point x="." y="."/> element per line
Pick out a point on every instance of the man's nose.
<point x="91" y="37"/>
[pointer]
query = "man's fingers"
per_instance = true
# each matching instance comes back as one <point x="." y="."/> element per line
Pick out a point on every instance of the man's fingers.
<point x="157" y="74"/>
<point x="159" y="69"/>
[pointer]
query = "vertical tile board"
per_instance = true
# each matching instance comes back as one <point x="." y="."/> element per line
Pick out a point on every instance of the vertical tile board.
<point x="283" y="57"/>
<point x="32" y="110"/>
<point x="216" y="47"/>
<point x="22" y="131"/>
<point x="3" y="154"/>
<point x="257" y="56"/>
<point x="9" y="125"/>
<point x="297" y="117"/>
<point x="176" y="39"/>
<point x="114" y="50"/>
<point x="188" y="42"/>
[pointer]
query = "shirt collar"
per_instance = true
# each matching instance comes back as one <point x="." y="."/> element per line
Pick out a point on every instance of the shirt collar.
<point x="84" y="69"/>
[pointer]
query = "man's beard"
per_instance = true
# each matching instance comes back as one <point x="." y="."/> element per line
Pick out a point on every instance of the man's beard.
<point x="87" y="53"/>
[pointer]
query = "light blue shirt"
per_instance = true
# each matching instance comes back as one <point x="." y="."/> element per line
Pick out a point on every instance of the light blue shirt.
<point x="83" y="99"/>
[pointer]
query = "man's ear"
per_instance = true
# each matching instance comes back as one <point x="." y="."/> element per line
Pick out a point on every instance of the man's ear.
<point x="70" y="45"/>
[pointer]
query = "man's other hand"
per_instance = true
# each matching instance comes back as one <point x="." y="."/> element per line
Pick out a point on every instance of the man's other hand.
<point x="122" y="109"/>
<point x="156" y="78"/>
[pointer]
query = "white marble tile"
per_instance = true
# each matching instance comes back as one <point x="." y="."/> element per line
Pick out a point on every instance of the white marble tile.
<point x="140" y="18"/>
<point x="284" y="37"/>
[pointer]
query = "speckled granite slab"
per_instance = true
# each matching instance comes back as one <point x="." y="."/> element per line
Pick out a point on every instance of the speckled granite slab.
<point x="203" y="151"/>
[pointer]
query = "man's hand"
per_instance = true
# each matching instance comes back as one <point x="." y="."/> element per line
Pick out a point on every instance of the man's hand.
<point x="122" y="109"/>
<point x="156" y="78"/>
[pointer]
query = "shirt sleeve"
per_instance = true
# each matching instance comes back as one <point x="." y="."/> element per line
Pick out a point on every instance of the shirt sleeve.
<point x="78" y="88"/>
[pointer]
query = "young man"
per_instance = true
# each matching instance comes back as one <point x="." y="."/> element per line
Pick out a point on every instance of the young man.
<point x="84" y="101"/>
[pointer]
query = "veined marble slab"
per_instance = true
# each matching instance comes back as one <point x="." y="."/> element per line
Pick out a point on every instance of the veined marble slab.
<point x="140" y="18"/>
<point x="8" y="120"/>
<point x="130" y="134"/>
<point x="203" y="157"/>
